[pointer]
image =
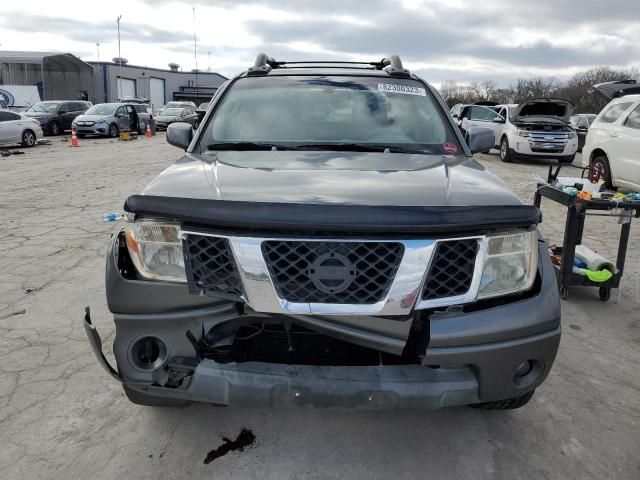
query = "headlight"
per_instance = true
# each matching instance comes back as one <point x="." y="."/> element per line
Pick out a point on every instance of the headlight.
<point x="156" y="249"/>
<point x="572" y="134"/>
<point x="522" y="133"/>
<point x="510" y="264"/>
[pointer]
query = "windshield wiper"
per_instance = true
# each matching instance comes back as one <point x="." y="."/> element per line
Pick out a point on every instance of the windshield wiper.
<point x="250" y="146"/>
<point x="337" y="147"/>
<point x="360" y="147"/>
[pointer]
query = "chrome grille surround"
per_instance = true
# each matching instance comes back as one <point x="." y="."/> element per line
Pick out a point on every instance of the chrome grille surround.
<point x="403" y="295"/>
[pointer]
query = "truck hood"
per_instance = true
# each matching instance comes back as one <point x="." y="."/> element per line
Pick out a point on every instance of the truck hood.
<point x="555" y="108"/>
<point x="339" y="178"/>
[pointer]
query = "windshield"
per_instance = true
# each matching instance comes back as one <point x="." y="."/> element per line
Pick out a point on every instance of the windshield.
<point x="44" y="107"/>
<point x="170" y="112"/>
<point x="332" y="111"/>
<point x="103" y="109"/>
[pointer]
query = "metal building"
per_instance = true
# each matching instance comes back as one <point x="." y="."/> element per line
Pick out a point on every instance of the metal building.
<point x="63" y="76"/>
<point x="156" y="84"/>
<point x="57" y="75"/>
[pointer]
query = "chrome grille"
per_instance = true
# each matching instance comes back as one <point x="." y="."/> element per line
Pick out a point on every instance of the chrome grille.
<point x="451" y="270"/>
<point x="210" y="267"/>
<point x="332" y="272"/>
<point x="552" y="141"/>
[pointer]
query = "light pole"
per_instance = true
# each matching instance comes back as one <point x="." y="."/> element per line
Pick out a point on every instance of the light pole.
<point x="119" y="60"/>
<point x="195" y="48"/>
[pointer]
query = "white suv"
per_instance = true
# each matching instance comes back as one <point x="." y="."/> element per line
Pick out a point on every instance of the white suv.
<point x="612" y="146"/>
<point x="534" y="129"/>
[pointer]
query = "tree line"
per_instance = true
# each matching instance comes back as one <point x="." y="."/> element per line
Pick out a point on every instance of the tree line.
<point x="578" y="89"/>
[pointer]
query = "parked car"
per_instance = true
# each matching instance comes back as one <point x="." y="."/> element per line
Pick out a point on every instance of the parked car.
<point x="109" y="119"/>
<point x="18" y="129"/>
<point x="612" y="146"/>
<point x="202" y="110"/>
<point x="167" y="116"/>
<point x="351" y="253"/>
<point x="56" y="116"/>
<point x="581" y="123"/>
<point x="537" y="128"/>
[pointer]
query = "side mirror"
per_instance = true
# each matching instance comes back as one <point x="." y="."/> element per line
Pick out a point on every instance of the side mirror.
<point x="480" y="139"/>
<point x="499" y="119"/>
<point x="180" y="134"/>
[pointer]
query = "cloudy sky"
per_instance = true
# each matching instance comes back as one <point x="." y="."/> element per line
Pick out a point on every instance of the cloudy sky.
<point x="462" y="40"/>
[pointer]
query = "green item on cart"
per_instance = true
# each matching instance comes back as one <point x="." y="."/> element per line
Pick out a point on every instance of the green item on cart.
<point x="597" y="276"/>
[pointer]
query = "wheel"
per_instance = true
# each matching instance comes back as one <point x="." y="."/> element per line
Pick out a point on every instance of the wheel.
<point x="506" y="404"/>
<point x="54" y="128"/>
<point x="599" y="170"/>
<point x="28" y="138"/>
<point x="605" y="293"/>
<point x="568" y="160"/>
<point x="505" y="152"/>
<point x="140" y="398"/>
<point x="113" y="130"/>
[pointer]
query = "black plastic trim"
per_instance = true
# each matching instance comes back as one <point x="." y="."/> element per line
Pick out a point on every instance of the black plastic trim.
<point x="351" y="218"/>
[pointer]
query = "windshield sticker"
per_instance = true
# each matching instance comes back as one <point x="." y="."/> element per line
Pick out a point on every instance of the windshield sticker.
<point x="405" y="89"/>
<point x="450" y="148"/>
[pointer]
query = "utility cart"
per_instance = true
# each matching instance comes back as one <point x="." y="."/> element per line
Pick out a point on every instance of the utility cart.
<point x="577" y="211"/>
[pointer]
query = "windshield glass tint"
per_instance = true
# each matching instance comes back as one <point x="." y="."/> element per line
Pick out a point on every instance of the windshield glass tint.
<point x="104" y="109"/>
<point x="44" y="107"/>
<point x="332" y="109"/>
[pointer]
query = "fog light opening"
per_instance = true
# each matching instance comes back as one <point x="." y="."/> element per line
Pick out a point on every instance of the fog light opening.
<point x="524" y="369"/>
<point x="527" y="373"/>
<point x="148" y="353"/>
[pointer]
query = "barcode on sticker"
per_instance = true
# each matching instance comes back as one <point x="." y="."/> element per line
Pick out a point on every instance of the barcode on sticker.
<point x="406" y="89"/>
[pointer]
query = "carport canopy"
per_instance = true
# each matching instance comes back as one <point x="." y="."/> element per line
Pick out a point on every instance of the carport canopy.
<point x="58" y="75"/>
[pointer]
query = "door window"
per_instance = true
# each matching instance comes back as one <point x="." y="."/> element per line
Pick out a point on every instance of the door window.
<point x="613" y="112"/>
<point x="633" y="120"/>
<point x="8" y="116"/>
<point x="483" y="114"/>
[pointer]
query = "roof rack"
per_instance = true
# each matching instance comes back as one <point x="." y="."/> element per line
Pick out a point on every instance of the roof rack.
<point x="392" y="65"/>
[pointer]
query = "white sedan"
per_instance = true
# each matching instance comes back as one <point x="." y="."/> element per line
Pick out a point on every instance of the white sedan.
<point x="16" y="128"/>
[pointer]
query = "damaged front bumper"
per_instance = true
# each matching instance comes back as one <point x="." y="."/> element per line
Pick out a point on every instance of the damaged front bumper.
<point x="449" y="376"/>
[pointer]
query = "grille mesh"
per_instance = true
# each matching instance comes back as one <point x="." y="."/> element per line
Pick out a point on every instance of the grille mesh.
<point x="210" y="267"/>
<point x="451" y="270"/>
<point x="291" y="264"/>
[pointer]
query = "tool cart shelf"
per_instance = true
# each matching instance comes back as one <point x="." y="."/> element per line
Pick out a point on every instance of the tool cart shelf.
<point x="577" y="211"/>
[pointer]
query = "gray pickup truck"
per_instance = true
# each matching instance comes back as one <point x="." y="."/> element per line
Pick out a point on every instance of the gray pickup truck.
<point x="328" y="240"/>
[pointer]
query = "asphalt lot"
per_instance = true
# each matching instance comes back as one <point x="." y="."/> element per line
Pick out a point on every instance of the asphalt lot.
<point x="63" y="417"/>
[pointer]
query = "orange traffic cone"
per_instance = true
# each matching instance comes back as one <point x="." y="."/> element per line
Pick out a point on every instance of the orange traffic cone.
<point x="74" y="139"/>
<point x="148" y="132"/>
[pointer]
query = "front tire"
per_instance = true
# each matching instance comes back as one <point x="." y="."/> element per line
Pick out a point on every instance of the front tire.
<point x="505" y="151"/>
<point x="506" y="404"/>
<point x="599" y="167"/>
<point x="140" y="398"/>
<point x="113" y="131"/>
<point x="28" y="138"/>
